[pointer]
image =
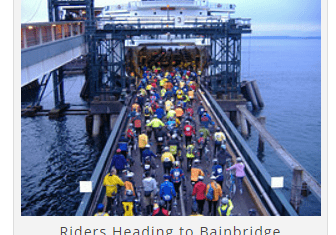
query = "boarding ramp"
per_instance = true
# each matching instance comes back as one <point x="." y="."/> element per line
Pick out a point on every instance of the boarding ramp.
<point x="48" y="46"/>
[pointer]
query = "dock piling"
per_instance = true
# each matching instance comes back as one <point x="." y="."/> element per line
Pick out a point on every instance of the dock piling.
<point x="295" y="199"/>
<point x="257" y="93"/>
<point x="244" y="127"/>
<point x="261" y="141"/>
<point x="96" y="125"/>
<point x="252" y="95"/>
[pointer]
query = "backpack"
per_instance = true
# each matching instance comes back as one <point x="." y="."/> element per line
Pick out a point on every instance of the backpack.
<point x="128" y="208"/>
<point x="137" y="123"/>
<point x="210" y="194"/>
<point x="146" y="110"/>
<point x="204" y="119"/>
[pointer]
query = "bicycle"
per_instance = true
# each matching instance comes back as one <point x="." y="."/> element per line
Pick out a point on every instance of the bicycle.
<point x="230" y="179"/>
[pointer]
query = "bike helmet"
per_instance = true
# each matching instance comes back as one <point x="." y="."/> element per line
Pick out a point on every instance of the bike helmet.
<point x="213" y="177"/>
<point x="200" y="177"/>
<point x="147" y="121"/>
<point x="100" y="207"/>
<point x="225" y="200"/>
<point x="147" y="146"/>
<point x="166" y="149"/>
<point x="155" y="116"/>
<point x="252" y="212"/>
<point x="118" y="150"/>
<point x="174" y="136"/>
<point x="130" y="175"/>
<point x="129" y="192"/>
<point x="187" y="122"/>
<point x="215" y="161"/>
<point x="218" y="128"/>
<point x="177" y="163"/>
<point x="239" y="159"/>
<point x="162" y="203"/>
<point x="166" y="177"/>
<point x="130" y="125"/>
<point x="223" y="146"/>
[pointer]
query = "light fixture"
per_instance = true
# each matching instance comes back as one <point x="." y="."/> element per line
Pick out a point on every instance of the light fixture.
<point x="30" y="27"/>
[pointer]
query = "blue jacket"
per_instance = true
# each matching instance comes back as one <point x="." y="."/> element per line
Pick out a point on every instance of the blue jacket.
<point x="119" y="162"/>
<point x="160" y="113"/>
<point x="147" y="153"/>
<point x="167" y="191"/>
<point x="176" y="175"/>
<point x="206" y="123"/>
<point x="217" y="171"/>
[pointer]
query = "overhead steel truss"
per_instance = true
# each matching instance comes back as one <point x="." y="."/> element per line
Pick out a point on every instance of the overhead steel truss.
<point x="107" y="52"/>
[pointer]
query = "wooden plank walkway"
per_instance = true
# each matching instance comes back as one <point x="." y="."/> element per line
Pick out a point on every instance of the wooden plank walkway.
<point x="281" y="151"/>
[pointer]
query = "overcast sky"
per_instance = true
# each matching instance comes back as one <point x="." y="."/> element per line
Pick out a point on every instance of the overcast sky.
<point x="269" y="17"/>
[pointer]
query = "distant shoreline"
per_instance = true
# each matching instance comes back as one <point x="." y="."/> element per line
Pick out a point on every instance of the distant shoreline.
<point x="281" y="37"/>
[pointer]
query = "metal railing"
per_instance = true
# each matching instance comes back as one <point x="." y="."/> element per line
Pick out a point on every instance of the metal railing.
<point x="35" y="34"/>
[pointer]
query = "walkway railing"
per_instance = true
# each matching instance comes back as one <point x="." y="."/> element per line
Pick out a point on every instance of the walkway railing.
<point x="34" y="34"/>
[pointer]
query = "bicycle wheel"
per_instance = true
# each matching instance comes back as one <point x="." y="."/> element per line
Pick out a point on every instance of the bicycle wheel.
<point x="227" y="179"/>
<point x="232" y="190"/>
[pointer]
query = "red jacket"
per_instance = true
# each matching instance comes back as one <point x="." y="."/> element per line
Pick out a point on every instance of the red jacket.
<point x="188" y="130"/>
<point x="199" y="190"/>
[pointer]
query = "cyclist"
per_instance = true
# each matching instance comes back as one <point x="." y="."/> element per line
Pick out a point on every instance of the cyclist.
<point x="147" y="153"/>
<point x="201" y="143"/>
<point x="150" y="189"/>
<point x="137" y="123"/>
<point x="205" y="131"/>
<point x="200" y="110"/>
<point x="142" y="142"/>
<point x="111" y="181"/>
<point x="100" y="210"/>
<point x="199" y="191"/>
<point x="222" y="155"/>
<point x="240" y="172"/>
<point x="147" y="112"/>
<point x="189" y="131"/>
<point x="160" y="113"/>
<point x="167" y="191"/>
<point x="195" y="172"/>
<point x="177" y="175"/>
<point x="174" y="146"/>
<point x="123" y="144"/>
<point x="213" y="197"/>
<point x="206" y="119"/>
<point x="129" y="184"/>
<point x="219" y="139"/>
<point x="167" y="160"/>
<point x="129" y="208"/>
<point x="226" y="207"/>
<point x="148" y="129"/>
<point x="190" y="155"/>
<point x="119" y="162"/>
<point x="155" y="123"/>
<point x="179" y="112"/>
<point x="161" y="211"/>
<point x="217" y="171"/>
<point x="160" y="138"/>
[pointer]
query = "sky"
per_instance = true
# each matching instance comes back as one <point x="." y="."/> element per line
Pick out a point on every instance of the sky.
<point x="268" y="17"/>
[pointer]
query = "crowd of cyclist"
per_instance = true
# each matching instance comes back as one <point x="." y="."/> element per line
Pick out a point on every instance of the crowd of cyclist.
<point x="165" y="113"/>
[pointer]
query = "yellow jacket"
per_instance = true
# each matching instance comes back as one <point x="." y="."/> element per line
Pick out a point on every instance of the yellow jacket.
<point x="155" y="123"/>
<point x="111" y="182"/>
<point x="228" y="208"/>
<point x="167" y="155"/>
<point x="143" y="140"/>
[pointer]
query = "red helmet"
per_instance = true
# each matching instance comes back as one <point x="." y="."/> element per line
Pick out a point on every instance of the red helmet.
<point x="118" y="150"/>
<point x="188" y="73"/>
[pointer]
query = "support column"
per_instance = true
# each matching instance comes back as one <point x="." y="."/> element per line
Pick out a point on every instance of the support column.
<point x="111" y="122"/>
<point x="96" y="124"/>
<point x="261" y="144"/>
<point x="244" y="128"/>
<point x="295" y="199"/>
<point x="56" y="91"/>
<point x="251" y="94"/>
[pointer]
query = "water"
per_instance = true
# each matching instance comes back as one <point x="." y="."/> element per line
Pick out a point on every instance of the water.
<point x="288" y="73"/>
<point x="57" y="154"/>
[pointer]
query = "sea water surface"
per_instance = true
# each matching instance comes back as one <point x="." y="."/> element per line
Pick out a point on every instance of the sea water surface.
<point x="57" y="154"/>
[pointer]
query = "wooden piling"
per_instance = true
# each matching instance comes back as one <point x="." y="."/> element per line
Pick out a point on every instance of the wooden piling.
<point x="257" y="93"/>
<point x="244" y="128"/>
<point x="295" y="199"/>
<point x="252" y="96"/>
<point x="261" y="144"/>
<point x="96" y="125"/>
<point x="89" y="124"/>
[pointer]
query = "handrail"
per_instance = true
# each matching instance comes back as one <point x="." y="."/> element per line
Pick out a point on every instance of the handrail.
<point x="277" y="197"/>
<point x="98" y="172"/>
